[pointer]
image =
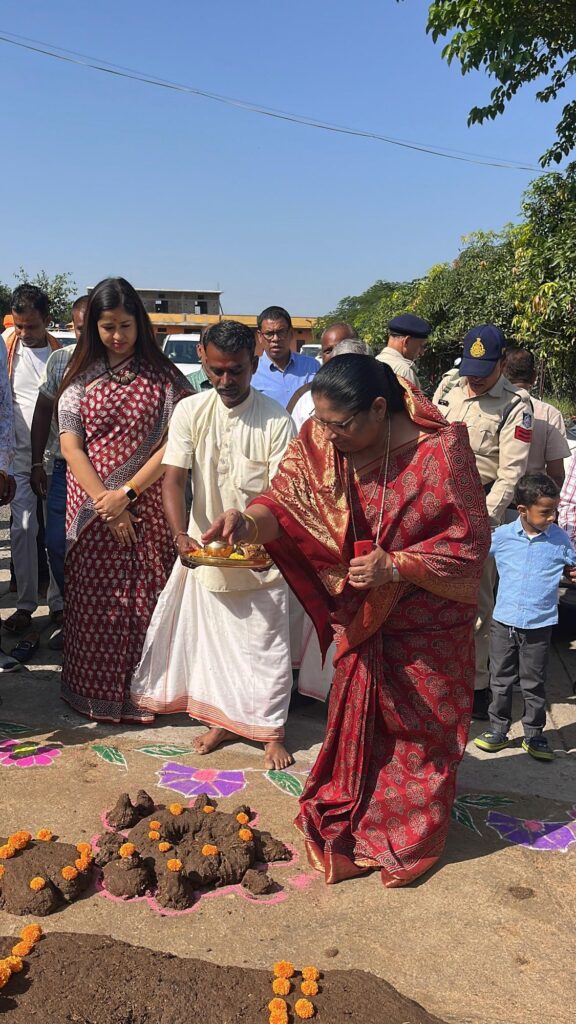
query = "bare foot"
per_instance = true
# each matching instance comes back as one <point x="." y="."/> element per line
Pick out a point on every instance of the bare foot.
<point x="210" y="740"/>
<point x="276" y="755"/>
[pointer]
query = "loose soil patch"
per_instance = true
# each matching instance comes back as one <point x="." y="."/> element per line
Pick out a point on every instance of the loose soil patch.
<point x="90" y="979"/>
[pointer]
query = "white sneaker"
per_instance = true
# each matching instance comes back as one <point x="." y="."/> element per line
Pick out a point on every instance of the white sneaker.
<point x="8" y="664"/>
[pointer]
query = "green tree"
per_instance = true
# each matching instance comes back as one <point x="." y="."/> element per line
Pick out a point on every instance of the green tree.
<point x="5" y="294"/>
<point x="61" y="290"/>
<point x="515" y="42"/>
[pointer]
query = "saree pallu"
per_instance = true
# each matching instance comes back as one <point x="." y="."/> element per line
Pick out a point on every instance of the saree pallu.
<point x="111" y="591"/>
<point x="381" y="791"/>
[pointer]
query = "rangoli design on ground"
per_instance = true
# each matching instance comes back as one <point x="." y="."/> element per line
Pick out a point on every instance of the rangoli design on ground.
<point x="28" y="753"/>
<point x="532" y="833"/>
<point x="191" y="781"/>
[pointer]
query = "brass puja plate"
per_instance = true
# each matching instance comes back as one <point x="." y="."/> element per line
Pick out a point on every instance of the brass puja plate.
<point x="255" y="558"/>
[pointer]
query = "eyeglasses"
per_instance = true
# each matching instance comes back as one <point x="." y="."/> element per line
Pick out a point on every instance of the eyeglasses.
<point x="281" y="334"/>
<point x="337" y="428"/>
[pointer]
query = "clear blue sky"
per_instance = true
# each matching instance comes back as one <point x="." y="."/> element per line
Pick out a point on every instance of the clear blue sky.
<point x="106" y="176"/>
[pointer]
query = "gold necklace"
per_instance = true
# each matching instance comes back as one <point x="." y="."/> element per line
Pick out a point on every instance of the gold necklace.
<point x="383" y="465"/>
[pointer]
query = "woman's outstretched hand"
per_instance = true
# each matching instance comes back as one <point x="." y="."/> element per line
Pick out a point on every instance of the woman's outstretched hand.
<point x="373" y="570"/>
<point x="230" y="526"/>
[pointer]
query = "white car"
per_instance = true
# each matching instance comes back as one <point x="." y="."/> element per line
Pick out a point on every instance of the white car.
<point x="182" y="349"/>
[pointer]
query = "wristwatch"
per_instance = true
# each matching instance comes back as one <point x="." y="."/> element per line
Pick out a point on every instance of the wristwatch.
<point x="130" y="493"/>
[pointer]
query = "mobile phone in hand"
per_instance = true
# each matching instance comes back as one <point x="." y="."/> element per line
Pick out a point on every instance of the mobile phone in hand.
<point x="363" y="547"/>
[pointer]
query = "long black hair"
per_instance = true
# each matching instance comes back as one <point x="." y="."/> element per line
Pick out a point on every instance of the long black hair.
<point x="352" y="382"/>
<point x="112" y="293"/>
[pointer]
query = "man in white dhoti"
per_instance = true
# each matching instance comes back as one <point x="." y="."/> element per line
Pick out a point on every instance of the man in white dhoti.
<point x="218" y="644"/>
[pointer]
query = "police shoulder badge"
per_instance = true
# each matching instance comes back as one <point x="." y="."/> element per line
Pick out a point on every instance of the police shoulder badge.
<point x="527" y="420"/>
<point x="477" y="349"/>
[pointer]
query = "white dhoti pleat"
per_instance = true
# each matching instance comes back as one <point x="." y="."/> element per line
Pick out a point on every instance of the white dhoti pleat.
<point x="222" y="657"/>
<point x="314" y="678"/>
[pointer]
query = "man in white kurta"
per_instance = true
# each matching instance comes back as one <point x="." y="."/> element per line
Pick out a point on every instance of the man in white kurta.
<point x="218" y="644"/>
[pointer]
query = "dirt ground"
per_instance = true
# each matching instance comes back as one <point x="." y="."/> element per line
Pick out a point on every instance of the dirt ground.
<point x="488" y="936"/>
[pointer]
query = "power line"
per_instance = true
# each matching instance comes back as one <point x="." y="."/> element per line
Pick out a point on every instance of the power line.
<point x="96" y="64"/>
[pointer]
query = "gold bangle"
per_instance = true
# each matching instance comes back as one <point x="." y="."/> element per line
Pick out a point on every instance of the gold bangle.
<point x="251" y="519"/>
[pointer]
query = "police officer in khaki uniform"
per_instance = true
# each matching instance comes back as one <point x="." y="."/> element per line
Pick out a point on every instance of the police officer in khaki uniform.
<point x="499" y="420"/>
<point x="406" y="342"/>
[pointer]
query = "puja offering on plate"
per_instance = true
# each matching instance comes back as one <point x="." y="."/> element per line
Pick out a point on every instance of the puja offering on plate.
<point x="220" y="554"/>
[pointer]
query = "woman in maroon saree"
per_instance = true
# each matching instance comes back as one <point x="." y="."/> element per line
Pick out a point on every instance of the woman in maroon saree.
<point x="116" y="400"/>
<point x="378" y="463"/>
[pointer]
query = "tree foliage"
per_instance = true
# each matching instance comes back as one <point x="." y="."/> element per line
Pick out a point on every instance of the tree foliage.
<point x="5" y="294"/>
<point x="60" y="289"/>
<point x="522" y="278"/>
<point x="515" y="42"/>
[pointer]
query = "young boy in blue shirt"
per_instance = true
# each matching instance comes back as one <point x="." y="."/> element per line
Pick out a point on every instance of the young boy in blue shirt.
<point x="531" y="555"/>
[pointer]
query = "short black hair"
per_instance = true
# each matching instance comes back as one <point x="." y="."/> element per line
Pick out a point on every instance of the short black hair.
<point x="81" y="302"/>
<point x="230" y="336"/>
<point x="274" y="313"/>
<point x="352" y="382"/>
<point x="27" y="297"/>
<point x="533" y="486"/>
<point x="518" y="365"/>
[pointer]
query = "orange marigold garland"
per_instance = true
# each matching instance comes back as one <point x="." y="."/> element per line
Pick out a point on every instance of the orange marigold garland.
<point x="22" y="948"/>
<point x="283" y="969"/>
<point x="153" y="834"/>
<point x="19" y="840"/>
<point x="304" y="1008"/>
<point x="84" y="849"/>
<point x="245" y="835"/>
<point x="174" y="864"/>
<point x="309" y="988"/>
<point x="242" y="818"/>
<point x="44" y="835"/>
<point x="5" y="974"/>
<point x="15" y="963"/>
<point x="175" y="809"/>
<point x="127" y="850"/>
<point x="31" y="934"/>
<point x="278" y="1017"/>
<point x="281" y="986"/>
<point x="154" y="824"/>
<point x="278" y="1006"/>
<point x="82" y="863"/>
<point x="69" y="873"/>
<point x="209" y="850"/>
<point x="7" y="851"/>
<point x="2" y="871"/>
<point x="37" y="883"/>
<point x="164" y="847"/>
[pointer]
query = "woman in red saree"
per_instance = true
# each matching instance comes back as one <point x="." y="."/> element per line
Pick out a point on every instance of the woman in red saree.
<point x="116" y="400"/>
<point x="378" y="463"/>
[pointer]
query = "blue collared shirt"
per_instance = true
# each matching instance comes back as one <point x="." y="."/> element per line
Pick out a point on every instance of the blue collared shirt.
<point x="281" y="384"/>
<point x="529" y="569"/>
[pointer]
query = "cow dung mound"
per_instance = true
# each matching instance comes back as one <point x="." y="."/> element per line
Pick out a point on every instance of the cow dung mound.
<point x="42" y="863"/>
<point x="175" y="851"/>
<point x="93" y="979"/>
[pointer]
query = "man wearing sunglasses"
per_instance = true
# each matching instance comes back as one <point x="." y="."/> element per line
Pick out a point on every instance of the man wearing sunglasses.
<point x="281" y="371"/>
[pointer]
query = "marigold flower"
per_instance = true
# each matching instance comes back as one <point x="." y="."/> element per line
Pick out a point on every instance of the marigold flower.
<point x="22" y="948"/>
<point x="242" y="818"/>
<point x="2" y="870"/>
<point x="208" y="850"/>
<point x="208" y="809"/>
<point x="44" y="835"/>
<point x="175" y="809"/>
<point x="278" y="1005"/>
<point x="37" y="883"/>
<point x="245" y="835"/>
<point x="164" y="847"/>
<point x="15" y="963"/>
<point x="5" y="973"/>
<point x="154" y="824"/>
<point x="153" y="834"/>
<point x="304" y="1008"/>
<point x="174" y="864"/>
<point x="283" y="969"/>
<point x="82" y="863"/>
<point x="281" y="986"/>
<point x="69" y="873"/>
<point x="7" y="851"/>
<point x="310" y="974"/>
<point x="127" y="850"/>
<point x="19" y="840"/>
<point x="84" y="848"/>
<point x="309" y="988"/>
<point x="31" y="933"/>
<point x="278" y="1017"/>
